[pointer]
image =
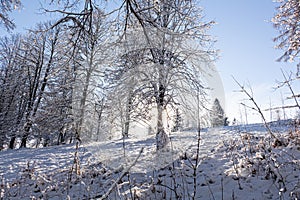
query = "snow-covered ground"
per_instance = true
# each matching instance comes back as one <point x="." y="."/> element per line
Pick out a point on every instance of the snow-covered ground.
<point x="240" y="162"/>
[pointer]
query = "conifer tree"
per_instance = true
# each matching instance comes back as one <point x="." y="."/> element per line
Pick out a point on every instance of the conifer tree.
<point x="217" y="114"/>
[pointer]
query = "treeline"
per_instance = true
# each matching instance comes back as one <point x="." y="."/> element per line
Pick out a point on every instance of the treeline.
<point x="91" y="72"/>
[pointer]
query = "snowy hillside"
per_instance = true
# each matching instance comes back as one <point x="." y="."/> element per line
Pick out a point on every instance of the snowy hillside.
<point x="232" y="163"/>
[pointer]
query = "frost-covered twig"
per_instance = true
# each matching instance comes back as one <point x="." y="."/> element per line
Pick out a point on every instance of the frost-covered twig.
<point x="120" y="177"/>
<point x="208" y="182"/>
<point x="257" y="108"/>
<point x="76" y="164"/>
<point x="195" y="167"/>
<point x="291" y="89"/>
<point x="234" y="159"/>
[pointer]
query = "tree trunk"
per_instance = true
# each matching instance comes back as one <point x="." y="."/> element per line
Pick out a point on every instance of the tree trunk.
<point x="126" y="129"/>
<point x="127" y="115"/>
<point x="27" y="128"/>
<point x="161" y="136"/>
<point x="12" y="142"/>
<point x="24" y="141"/>
<point x="61" y="136"/>
<point x="1" y="141"/>
<point x="84" y="97"/>
<point x="99" y="112"/>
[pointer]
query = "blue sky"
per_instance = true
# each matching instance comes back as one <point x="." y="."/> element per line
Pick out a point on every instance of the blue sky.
<point x="244" y="36"/>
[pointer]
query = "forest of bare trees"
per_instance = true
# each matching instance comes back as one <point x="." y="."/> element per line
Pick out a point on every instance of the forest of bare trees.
<point x="93" y="71"/>
<point x="128" y="89"/>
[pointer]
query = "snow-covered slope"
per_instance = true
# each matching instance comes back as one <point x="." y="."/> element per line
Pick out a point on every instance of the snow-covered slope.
<point x="233" y="163"/>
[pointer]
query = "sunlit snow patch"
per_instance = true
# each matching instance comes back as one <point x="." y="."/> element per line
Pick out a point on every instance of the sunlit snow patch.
<point x="120" y="153"/>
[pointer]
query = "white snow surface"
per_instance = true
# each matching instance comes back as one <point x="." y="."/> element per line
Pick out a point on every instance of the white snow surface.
<point x="240" y="162"/>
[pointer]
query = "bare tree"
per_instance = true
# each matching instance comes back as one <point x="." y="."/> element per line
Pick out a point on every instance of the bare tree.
<point x="168" y="41"/>
<point x="12" y="99"/>
<point x="38" y="51"/>
<point x="170" y="53"/>
<point x="92" y="54"/>
<point x="32" y="66"/>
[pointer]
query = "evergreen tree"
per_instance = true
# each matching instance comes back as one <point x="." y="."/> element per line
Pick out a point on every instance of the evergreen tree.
<point x="217" y="114"/>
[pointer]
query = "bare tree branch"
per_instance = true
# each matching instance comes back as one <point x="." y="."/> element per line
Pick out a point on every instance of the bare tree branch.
<point x="257" y="108"/>
<point x="126" y="171"/>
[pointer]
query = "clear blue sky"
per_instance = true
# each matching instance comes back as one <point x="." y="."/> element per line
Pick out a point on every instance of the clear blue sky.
<point x="244" y="36"/>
